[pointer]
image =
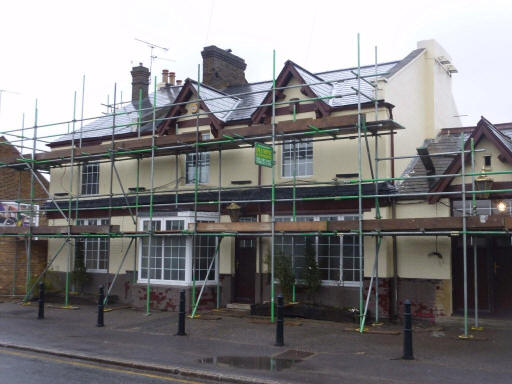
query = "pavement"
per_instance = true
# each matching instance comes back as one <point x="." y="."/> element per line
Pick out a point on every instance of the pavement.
<point x="234" y="347"/>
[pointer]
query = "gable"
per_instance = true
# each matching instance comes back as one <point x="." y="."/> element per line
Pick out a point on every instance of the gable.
<point x="485" y="136"/>
<point x="292" y="74"/>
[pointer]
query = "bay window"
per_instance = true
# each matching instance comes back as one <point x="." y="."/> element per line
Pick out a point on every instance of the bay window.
<point x="169" y="259"/>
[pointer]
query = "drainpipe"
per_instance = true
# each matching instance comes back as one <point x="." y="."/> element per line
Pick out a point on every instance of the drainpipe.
<point x="259" y="255"/>
<point x="394" y="298"/>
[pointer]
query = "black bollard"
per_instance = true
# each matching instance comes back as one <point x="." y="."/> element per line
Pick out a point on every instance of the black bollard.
<point x="40" y="314"/>
<point x="181" y="315"/>
<point x="407" y="332"/>
<point x="280" y="322"/>
<point x="101" y="299"/>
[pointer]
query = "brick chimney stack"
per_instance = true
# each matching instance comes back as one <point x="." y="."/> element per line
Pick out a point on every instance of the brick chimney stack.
<point x="140" y="80"/>
<point x="221" y="68"/>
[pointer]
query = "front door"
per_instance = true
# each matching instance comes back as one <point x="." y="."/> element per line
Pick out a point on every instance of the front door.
<point x="245" y="269"/>
<point x="494" y="271"/>
<point x="502" y="271"/>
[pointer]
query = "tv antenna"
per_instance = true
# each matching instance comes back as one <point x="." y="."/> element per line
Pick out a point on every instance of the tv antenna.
<point x="152" y="57"/>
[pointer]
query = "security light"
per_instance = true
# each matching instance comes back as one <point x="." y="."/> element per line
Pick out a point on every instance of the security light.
<point x="502" y="206"/>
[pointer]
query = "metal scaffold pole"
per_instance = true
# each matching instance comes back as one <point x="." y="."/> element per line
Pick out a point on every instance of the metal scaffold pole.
<point x="137" y="186"/>
<point x="151" y="195"/>
<point x="378" y="239"/>
<point x="474" y="239"/>
<point x="218" y="213"/>
<point x="32" y="215"/>
<point x="272" y="247"/>
<point x="464" y="235"/>
<point x="111" y="181"/>
<point x="19" y="216"/>
<point x="359" y="188"/>
<point x="196" y="190"/>
<point x="70" y="205"/>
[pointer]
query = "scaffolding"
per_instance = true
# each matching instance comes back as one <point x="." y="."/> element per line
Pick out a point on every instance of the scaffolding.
<point x="153" y="145"/>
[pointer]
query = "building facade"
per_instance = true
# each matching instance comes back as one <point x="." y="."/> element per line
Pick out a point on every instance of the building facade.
<point x="403" y="103"/>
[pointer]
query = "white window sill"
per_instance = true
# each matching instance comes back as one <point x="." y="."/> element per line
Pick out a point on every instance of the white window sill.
<point x="96" y="270"/>
<point x="176" y="282"/>
<point x="298" y="177"/>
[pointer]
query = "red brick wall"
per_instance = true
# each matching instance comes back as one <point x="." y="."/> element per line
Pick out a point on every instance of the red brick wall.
<point x="14" y="185"/>
<point x="13" y="253"/>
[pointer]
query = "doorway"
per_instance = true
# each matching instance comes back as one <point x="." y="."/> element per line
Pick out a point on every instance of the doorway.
<point x="245" y="270"/>
<point x="494" y="268"/>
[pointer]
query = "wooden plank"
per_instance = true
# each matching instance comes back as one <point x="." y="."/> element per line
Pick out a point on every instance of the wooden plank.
<point x="301" y="125"/>
<point x="301" y="226"/>
<point x="62" y="229"/>
<point x="232" y="227"/>
<point x="409" y="224"/>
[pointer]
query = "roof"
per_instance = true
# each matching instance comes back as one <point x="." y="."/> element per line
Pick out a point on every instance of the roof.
<point x="449" y="140"/>
<point x="243" y="100"/>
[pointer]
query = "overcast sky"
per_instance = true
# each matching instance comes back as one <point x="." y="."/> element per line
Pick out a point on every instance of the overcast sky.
<point x="47" y="46"/>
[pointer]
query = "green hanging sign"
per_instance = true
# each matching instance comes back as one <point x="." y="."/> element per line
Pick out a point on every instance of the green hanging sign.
<point x="263" y="155"/>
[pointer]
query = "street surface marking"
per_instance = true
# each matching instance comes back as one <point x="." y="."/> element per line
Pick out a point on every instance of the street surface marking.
<point x="98" y="367"/>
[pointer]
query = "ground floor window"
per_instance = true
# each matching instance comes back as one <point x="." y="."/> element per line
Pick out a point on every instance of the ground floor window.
<point x="337" y="256"/>
<point x="170" y="259"/>
<point x="92" y="252"/>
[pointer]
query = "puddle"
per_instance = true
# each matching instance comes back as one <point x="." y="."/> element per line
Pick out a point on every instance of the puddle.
<point x="251" y="362"/>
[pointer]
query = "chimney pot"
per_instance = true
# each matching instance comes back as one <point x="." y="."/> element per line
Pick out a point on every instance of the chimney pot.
<point x="178" y="82"/>
<point x="165" y="76"/>
<point x="172" y="78"/>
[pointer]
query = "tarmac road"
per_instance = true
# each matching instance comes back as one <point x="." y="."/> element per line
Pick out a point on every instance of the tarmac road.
<point x="29" y="367"/>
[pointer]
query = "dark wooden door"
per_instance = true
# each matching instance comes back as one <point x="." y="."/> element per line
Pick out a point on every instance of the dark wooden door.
<point x="245" y="269"/>
<point x="502" y="271"/>
<point x="485" y="278"/>
<point x="494" y="263"/>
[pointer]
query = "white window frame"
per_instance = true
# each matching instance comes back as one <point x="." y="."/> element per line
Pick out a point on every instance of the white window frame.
<point x="295" y="162"/>
<point x="339" y="282"/>
<point x="95" y="221"/>
<point x="203" y="165"/>
<point x="187" y="218"/>
<point x="88" y="175"/>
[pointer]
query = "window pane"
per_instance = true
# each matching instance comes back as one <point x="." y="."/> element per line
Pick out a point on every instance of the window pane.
<point x="94" y="252"/>
<point x="90" y="179"/>
<point x="297" y="158"/>
<point x="205" y="255"/>
<point x="203" y="167"/>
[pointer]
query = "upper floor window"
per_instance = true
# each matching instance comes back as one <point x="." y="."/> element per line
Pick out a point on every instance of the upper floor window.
<point x="203" y="166"/>
<point x="297" y="159"/>
<point x="90" y="178"/>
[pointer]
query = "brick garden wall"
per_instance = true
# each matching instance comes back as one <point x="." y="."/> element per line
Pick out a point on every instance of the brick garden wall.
<point x="14" y="185"/>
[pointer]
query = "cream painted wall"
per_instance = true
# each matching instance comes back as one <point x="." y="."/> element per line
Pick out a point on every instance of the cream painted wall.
<point x="423" y="99"/>
<point x="413" y="259"/>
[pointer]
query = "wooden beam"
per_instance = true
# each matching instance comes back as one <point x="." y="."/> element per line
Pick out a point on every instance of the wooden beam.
<point x="347" y="125"/>
<point x="61" y="229"/>
<point x="406" y="225"/>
